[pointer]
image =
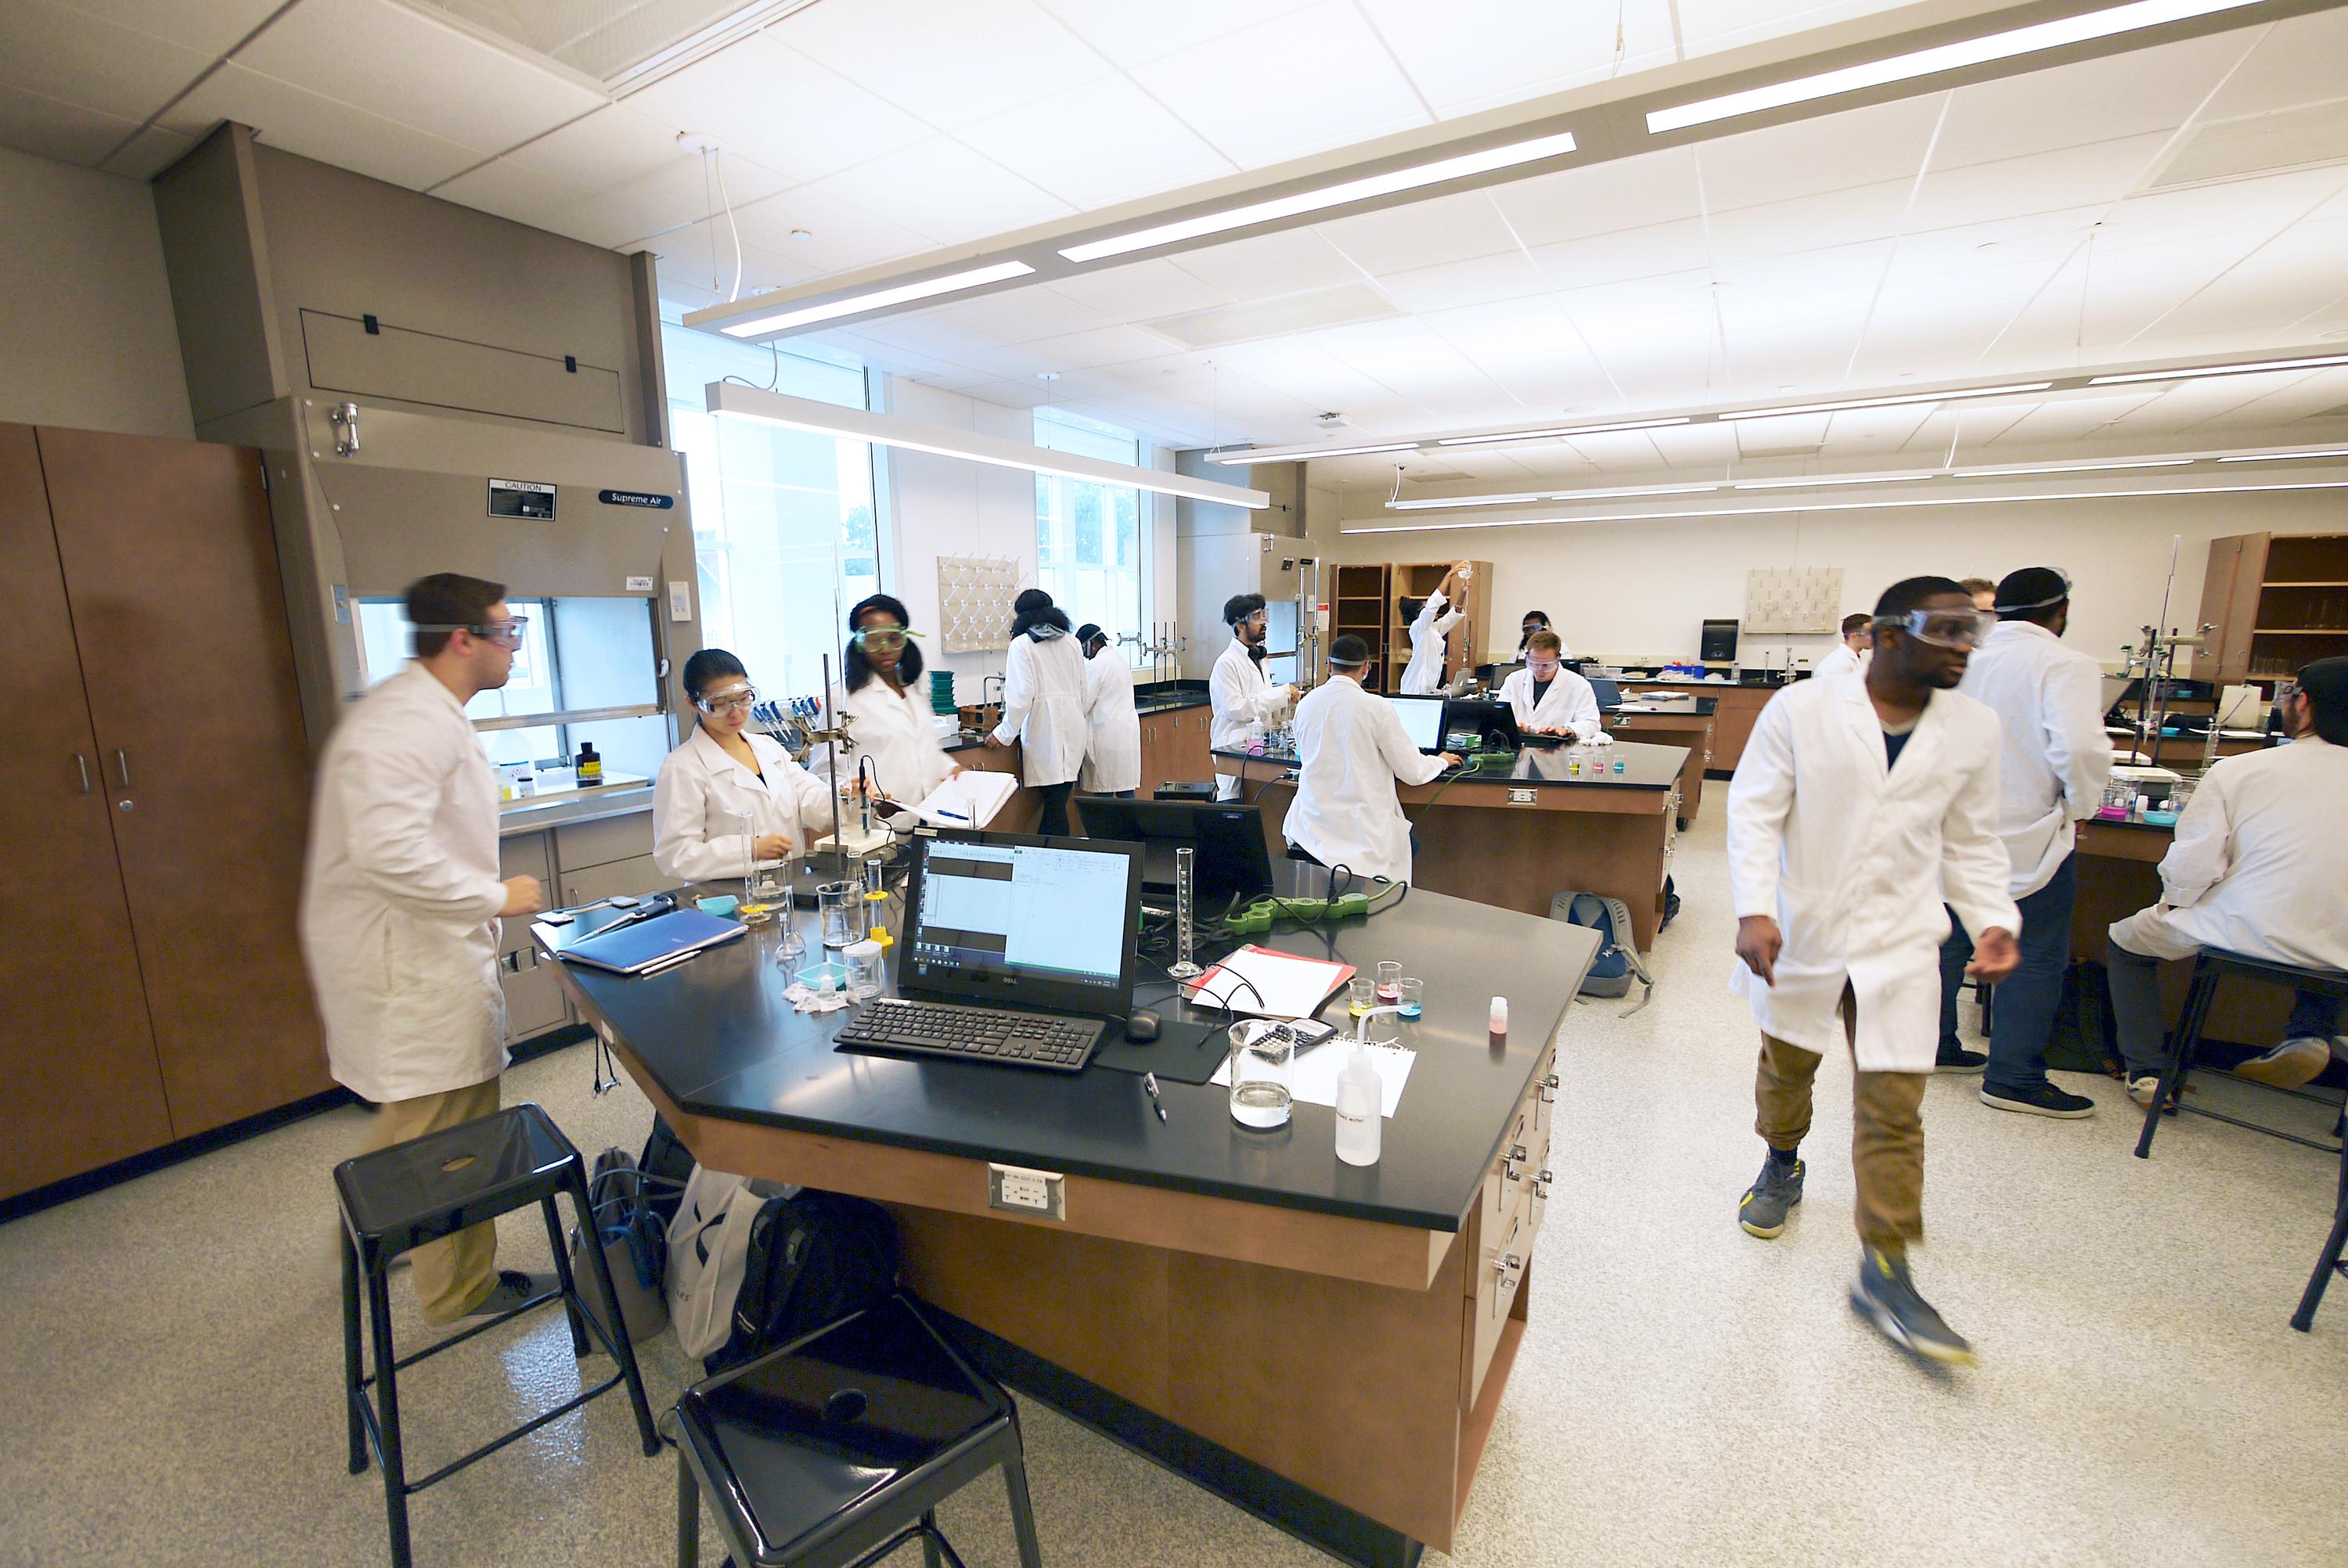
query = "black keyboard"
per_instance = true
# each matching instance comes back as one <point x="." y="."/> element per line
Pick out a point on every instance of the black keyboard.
<point x="973" y="1034"/>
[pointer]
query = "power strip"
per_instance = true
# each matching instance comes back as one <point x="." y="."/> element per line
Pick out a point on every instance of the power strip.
<point x="1260" y="916"/>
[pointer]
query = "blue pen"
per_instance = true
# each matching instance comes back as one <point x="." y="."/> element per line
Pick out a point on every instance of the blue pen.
<point x="954" y="816"/>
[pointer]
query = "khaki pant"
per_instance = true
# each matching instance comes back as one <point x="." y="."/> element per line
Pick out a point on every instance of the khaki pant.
<point x="457" y="1272"/>
<point x="1887" y="1138"/>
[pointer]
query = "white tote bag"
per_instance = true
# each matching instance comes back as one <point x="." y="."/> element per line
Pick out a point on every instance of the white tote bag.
<point x="708" y="1242"/>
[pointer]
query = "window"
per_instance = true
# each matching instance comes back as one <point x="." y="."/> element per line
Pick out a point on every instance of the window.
<point x="783" y="528"/>
<point x="1089" y="554"/>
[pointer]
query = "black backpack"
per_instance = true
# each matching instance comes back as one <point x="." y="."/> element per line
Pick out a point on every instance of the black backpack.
<point x="669" y="1163"/>
<point x="813" y="1259"/>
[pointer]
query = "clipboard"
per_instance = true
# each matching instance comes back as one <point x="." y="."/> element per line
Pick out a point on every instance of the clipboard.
<point x="1278" y="985"/>
<point x="644" y="947"/>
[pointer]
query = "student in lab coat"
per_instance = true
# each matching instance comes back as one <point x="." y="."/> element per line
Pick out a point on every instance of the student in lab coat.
<point x="724" y="773"/>
<point x="1851" y="653"/>
<point x="1113" y="751"/>
<point x="2259" y="867"/>
<point x="897" y="750"/>
<point x="1350" y="749"/>
<point x="1534" y="621"/>
<point x="1857" y="806"/>
<point x="1244" y="703"/>
<point x="2055" y="760"/>
<point x="1430" y="619"/>
<point x="1547" y="698"/>
<point x="1044" y="706"/>
<point x="401" y="901"/>
<point x="1984" y="591"/>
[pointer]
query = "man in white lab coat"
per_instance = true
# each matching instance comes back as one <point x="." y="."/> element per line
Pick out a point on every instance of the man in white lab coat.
<point x="1547" y="698"/>
<point x="400" y="906"/>
<point x="1859" y="804"/>
<point x="1431" y="621"/>
<point x="1351" y="748"/>
<point x="2055" y="761"/>
<point x="1851" y="654"/>
<point x="1244" y="704"/>
<point x="2259" y="867"/>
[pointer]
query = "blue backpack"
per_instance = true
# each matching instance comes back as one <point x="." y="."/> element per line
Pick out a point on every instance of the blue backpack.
<point x="1617" y="963"/>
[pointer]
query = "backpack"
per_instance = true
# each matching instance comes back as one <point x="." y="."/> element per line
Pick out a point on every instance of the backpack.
<point x="634" y="1240"/>
<point x="667" y="1165"/>
<point x="810" y="1259"/>
<point x="1617" y="963"/>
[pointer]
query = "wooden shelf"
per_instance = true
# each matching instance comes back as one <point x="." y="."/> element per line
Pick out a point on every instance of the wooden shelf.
<point x="2304" y="585"/>
<point x="2300" y="631"/>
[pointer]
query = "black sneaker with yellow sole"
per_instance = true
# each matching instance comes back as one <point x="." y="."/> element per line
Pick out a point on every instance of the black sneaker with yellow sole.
<point x="1885" y="1296"/>
<point x="1774" y="1192"/>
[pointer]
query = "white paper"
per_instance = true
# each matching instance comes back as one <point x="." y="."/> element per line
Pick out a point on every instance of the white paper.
<point x="1313" y="1077"/>
<point x="1282" y="986"/>
<point x="969" y="799"/>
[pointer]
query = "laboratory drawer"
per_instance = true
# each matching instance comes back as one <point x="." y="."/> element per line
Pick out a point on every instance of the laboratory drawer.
<point x="1502" y="1261"/>
<point x="534" y="1000"/>
<point x="1524" y="1149"/>
<point x="524" y="854"/>
<point x="580" y="844"/>
<point x="638" y="875"/>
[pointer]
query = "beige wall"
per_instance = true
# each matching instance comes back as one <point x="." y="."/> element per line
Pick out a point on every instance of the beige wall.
<point x="85" y="328"/>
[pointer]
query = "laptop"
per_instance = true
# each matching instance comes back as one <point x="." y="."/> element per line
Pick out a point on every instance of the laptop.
<point x="1608" y="692"/>
<point x="1230" y="862"/>
<point x="1422" y="720"/>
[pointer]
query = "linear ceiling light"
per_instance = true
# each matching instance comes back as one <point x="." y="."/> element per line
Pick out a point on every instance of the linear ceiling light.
<point x="2317" y="362"/>
<point x="2284" y="456"/>
<point x="1617" y="492"/>
<point x="1828" y="479"/>
<point x="1282" y="453"/>
<point x="1559" y="434"/>
<point x="1885" y="402"/>
<point x="878" y="298"/>
<point x="2059" y="33"/>
<point x="2068" y="468"/>
<point x="1424" y="504"/>
<point x="1364" y="189"/>
<point x="726" y="398"/>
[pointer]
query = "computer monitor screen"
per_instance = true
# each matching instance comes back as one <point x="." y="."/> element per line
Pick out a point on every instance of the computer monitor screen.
<point x="1608" y="693"/>
<point x="1226" y="835"/>
<point x="1001" y="916"/>
<point x="1422" y="720"/>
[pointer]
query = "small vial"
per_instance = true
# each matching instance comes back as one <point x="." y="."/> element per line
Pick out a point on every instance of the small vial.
<point x="1618" y="764"/>
<point x="1500" y="1020"/>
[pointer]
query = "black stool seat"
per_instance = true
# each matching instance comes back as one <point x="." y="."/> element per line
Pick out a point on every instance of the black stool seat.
<point x="837" y="1448"/>
<point x="2211" y="965"/>
<point x="399" y="1198"/>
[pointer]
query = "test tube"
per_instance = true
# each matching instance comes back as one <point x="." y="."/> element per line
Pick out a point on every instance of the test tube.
<point x="876" y="899"/>
<point x="1183" y="968"/>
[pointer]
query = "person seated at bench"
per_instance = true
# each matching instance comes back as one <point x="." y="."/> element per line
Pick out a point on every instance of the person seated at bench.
<point x="1547" y="698"/>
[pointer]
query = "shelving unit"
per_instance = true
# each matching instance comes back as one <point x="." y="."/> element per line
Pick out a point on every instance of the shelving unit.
<point x="1470" y="639"/>
<point x="2277" y="602"/>
<point x="1362" y="593"/>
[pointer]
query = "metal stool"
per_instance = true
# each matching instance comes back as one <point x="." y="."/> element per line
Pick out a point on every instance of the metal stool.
<point x="2213" y="965"/>
<point x="398" y="1198"/>
<point x="2304" y="1318"/>
<point x="837" y="1448"/>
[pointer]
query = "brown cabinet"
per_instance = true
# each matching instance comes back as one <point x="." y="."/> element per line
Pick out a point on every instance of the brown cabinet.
<point x="1468" y="644"/>
<point x="1363" y="593"/>
<point x="1176" y="746"/>
<point x="158" y="803"/>
<point x="2274" y="602"/>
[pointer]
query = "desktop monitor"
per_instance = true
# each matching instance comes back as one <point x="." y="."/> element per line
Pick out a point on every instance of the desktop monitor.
<point x="1230" y="862"/>
<point x="1422" y="720"/>
<point x="1043" y="923"/>
<point x="1492" y="722"/>
<point x="1608" y="693"/>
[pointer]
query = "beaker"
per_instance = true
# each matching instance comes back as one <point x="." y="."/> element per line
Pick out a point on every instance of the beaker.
<point x="838" y="906"/>
<point x="1262" y="1052"/>
<point x="1389" y="988"/>
<point x="864" y="969"/>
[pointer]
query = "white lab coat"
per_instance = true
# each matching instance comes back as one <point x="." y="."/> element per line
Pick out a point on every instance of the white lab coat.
<point x="2259" y="866"/>
<point x="1843" y="661"/>
<point x="702" y="795"/>
<point x="894" y="729"/>
<point x="400" y="897"/>
<point x="1043" y="706"/>
<point x="1424" y="675"/>
<point x="1569" y="704"/>
<point x="1350" y="750"/>
<point x="1113" y="754"/>
<point x="1854" y="862"/>
<point x="1243" y="704"/>
<point x="2056" y="758"/>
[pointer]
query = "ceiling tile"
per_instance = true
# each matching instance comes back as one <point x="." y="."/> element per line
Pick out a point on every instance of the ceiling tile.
<point x="210" y="28"/>
<point x="1664" y="248"/>
<point x="1695" y="445"/>
<point x="777" y="108"/>
<point x="2294" y="274"/>
<point x="320" y="128"/>
<point x="638" y="161"/>
<point x="64" y="53"/>
<point x="542" y="200"/>
<point x="1130" y="34"/>
<point x="54" y="128"/>
<point x="2296" y="61"/>
<point x="1423" y="234"/>
<point x="1484" y="281"/>
<point x="1297" y="84"/>
<point x="2046" y="238"/>
<point x="148" y="153"/>
<point x="1143" y="290"/>
<point x="408" y="67"/>
<point x="940" y="187"/>
<point x="1604" y="198"/>
<point x="2071" y="419"/>
<point x="2042" y="182"/>
<point x="1098" y="144"/>
<point x="2290" y="400"/>
<point x="1073" y="351"/>
<point x="1707" y="25"/>
<point x="1449" y="51"/>
<point x="950" y="62"/>
<point x="1656" y="360"/>
<point x="2123" y="94"/>
<point x="1270" y="265"/>
<point x="1021" y="315"/>
<point x="1811" y="157"/>
<point x="1862" y="214"/>
<point x="840" y="238"/>
<point x="1422" y="366"/>
<point x="935" y="334"/>
<point x="2253" y="209"/>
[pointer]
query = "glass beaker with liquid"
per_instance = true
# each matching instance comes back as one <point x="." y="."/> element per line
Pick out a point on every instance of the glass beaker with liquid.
<point x="840" y="906"/>
<point x="1262" y="1053"/>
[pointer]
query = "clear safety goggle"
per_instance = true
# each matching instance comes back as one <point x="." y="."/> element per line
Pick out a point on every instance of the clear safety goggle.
<point x="1942" y="628"/>
<point x="738" y="702"/>
<point x="883" y="638"/>
<point x="505" y="633"/>
<point x="2002" y="608"/>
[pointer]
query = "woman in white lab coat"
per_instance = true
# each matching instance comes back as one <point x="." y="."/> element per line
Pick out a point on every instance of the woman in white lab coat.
<point x="897" y="752"/>
<point x="1044" y="706"/>
<point x="1113" y="751"/>
<point x="1429" y="623"/>
<point x="723" y="775"/>
<point x="1547" y="698"/>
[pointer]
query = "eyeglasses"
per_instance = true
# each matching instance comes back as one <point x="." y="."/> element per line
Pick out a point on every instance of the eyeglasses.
<point x="505" y="633"/>
<point x="1942" y="627"/>
<point x="732" y="703"/>
<point x="882" y="639"/>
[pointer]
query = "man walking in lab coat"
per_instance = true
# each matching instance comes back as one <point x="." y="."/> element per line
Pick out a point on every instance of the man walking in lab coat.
<point x="1851" y="654"/>
<point x="1859" y="804"/>
<point x="1350" y="749"/>
<point x="1244" y="704"/>
<point x="401" y="908"/>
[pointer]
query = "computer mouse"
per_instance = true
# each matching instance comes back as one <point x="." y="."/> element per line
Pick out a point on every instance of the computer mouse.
<point x="1141" y="1025"/>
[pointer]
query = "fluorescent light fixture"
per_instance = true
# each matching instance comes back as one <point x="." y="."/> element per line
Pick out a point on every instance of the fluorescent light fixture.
<point x="1425" y="504"/>
<point x="2059" y="33"/>
<point x="1282" y="453"/>
<point x="728" y="400"/>
<point x="1827" y="479"/>
<point x="878" y="298"/>
<point x="2317" y="362"/>
<point x="1617" y="492"/>
<point x="2068" y="468"/>
<point x="1367" y="188"/>
<point x="2285" y="456"/>
<point x="1558" y="435"/>
<point x="1890" y="402"/>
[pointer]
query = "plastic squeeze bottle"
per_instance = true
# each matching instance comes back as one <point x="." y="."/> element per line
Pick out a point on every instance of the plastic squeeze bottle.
<point x="1361" y="1097"/>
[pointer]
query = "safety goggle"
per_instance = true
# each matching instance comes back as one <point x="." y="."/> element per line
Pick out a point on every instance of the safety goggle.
<point x="731" y="702"/>
<point x="2003" y="609"/>
<point x="882" y="639"/>
<point x="505" y="633"/>
<point x="1942" y="628"/>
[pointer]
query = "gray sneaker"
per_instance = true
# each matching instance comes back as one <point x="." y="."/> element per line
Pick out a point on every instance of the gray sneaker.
<point x="1884" y="1293"/>
<point x="513" y="1289"/>
<point x="1762" y="1209"/>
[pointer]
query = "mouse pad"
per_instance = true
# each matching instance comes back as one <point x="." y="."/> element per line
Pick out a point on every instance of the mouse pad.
<point x="1183" y="1053"/>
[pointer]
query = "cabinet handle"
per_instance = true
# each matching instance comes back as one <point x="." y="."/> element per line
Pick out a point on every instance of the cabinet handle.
<point x="1512" y="1268"/>
<point x="1510" y="1166"/>
<point x="83" y="763"/>
<point x="122" y="762"/>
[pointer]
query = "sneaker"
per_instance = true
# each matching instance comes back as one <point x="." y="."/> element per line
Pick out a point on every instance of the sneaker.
<point x="1885" y="1295"/>
<point x="1762" y="1211"/>
<point x="513" y="1288"/>
<point x="1955" y="1058"/>
<point x="2144" y="1088"/>
<point x="2290" y="1065"/>
<point x="2039" y="1099"/>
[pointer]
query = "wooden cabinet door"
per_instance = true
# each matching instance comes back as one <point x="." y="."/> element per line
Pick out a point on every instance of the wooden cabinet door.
<point x="78" y="1083"/>
<point x="2229" y="602"/>
<point x="170" y="568"/>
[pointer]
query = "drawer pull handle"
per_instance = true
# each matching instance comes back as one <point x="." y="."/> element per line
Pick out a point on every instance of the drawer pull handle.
<point x="1540" y="1186"/>
<point x="1513" y="1165"/>
<point x="1512" y="1269"/>
<point x="122" y="762"/>
<point x="83" y="763"/>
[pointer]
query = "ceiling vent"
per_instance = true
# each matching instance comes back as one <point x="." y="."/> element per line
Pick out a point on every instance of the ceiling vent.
<point x="624" y="43"/>
<point x="1335" y="307"/>
<point x="2308" y="137"/>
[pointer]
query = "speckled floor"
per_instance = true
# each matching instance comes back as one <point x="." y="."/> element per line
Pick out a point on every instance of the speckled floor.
<point x="1686" y="1395"/>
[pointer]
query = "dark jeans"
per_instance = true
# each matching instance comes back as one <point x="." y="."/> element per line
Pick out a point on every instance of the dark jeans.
<point x="2143" y="1034"/>
<point x="1053" y="822"/>
<point x="2023" y="1018"/>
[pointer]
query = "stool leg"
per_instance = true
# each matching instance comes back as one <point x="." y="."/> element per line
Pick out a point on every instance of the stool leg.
<point x="930" y="1558"/>
<point x="386" y="1394"/>
<point x="562" y="1268"/>
<point x="2304" y="1318"/>
<point x="688" y="1513"/>
<point x="2180" y="1053"/>
<point x="353" y="1361"/>
<point x="1023" y="1516"/>
<point x="600" y="1268"/>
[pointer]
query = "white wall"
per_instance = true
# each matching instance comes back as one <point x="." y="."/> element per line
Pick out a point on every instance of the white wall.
<point x="1641" y="589"/>
<point x="86" y="325"/>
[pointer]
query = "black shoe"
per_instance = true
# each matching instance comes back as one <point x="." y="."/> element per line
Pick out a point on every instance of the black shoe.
<point x="1955" y="1058"/>
<point x="2039" y="1099"/>
<point x="513" y="1289"/>
<point x="1762" y="1209"/>
<point x="1884" y="1295"/>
